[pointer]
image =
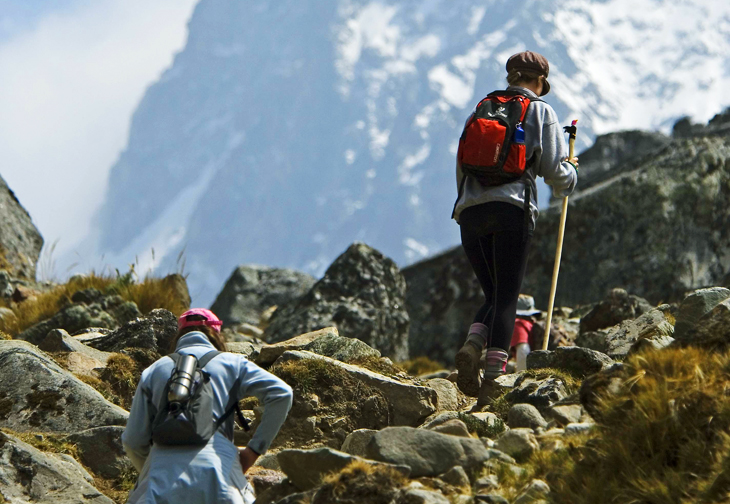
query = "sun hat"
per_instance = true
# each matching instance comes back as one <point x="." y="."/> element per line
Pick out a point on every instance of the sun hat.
<point x="531" y="63"/>
<point x="210" y="319"/>
<point x="526" y="306"/>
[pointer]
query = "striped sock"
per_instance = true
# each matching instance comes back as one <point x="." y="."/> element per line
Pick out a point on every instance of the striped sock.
<point x="478" y="334"/>
<point x="496" y="363"/>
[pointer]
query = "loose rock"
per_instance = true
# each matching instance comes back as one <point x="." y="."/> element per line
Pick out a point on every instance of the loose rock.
<point x="427" y="453"/>
<point x="357" y="441"/>
<point x="618" y="306"/>
<point x="269" y="353"/>
<point x="518" y="443"/>
<point x="155" y="331"/>
<point x="525" y="415"/>
<point x="695" y="306"/>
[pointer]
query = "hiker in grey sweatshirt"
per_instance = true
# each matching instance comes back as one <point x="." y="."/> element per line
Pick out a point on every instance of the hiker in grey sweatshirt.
<point x="213" y="473"/>
<point x="496" y="232"/>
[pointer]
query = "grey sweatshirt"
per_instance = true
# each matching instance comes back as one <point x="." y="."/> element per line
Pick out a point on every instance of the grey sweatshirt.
<point x="544" y="139"/>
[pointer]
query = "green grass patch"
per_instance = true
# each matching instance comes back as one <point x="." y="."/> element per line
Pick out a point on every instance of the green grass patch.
<point x="480" y="427"/>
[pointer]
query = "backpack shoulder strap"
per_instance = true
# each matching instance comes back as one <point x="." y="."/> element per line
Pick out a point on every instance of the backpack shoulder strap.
<point x="175" y="358"/>
<point x="205" y="359"/>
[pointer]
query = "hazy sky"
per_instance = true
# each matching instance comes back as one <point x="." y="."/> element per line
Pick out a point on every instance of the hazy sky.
<point x="71" y="74"/>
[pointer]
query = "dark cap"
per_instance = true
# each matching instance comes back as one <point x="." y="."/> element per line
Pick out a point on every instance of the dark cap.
<point x="530" y="63"/>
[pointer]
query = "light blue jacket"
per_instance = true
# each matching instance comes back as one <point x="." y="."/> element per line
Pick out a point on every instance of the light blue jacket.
<point x="545" y="145"/>
<point x="191" y="474"/>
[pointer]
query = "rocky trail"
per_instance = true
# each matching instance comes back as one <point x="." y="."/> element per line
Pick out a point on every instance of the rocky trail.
<point x="629" y="404"/>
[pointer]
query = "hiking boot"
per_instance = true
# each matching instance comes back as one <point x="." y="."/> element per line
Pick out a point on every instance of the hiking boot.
<point x="488" y="392"/>
<point x="467" y="365"/>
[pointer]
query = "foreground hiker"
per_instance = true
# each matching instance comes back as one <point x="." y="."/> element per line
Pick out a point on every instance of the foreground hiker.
<point x="180" y="430"/>
<point x="511" y="138"/>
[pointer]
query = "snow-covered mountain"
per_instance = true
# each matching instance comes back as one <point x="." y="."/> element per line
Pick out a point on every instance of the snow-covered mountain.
<point x="286" y="130"/>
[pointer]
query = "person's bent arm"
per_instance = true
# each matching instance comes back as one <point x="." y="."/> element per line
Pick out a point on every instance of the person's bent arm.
<point x="138" y="433"/>
<point x="276" y="398"/>
<point x="558" y="173"/>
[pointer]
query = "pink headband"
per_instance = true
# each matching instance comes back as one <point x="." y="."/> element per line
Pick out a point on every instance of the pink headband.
<point x="210" y="319"/>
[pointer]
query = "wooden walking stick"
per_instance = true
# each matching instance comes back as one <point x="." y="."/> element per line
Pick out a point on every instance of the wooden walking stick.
<point x="572" y="130"/>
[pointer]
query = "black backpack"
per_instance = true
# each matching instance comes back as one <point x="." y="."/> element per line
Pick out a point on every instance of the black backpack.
<point x="191" y="422"/>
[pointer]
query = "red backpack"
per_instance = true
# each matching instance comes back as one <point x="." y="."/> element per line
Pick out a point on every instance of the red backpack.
<point x="492" y="146"/>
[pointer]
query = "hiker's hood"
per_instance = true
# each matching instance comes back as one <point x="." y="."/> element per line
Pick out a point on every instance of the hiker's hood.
<point x="193" y="338"/>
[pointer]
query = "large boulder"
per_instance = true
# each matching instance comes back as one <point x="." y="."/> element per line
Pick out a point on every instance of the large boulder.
<point x="712" y="330"/>
<point x="428" y="453"/>
<point x="540" y="392"/>
<point x="410" y="403"/>
<point x="695" y="306"/>
<point x="20" y="241"/>
<point x="58" y="340"/>
<point x="38" y="395"/>
<point x="576" y="360"/>
<point x="30" y="475"/>
<point x="618" y="306"/>
<point x="251" y="289"/>
<point x="362" y="294"/>
<point x="89" y="309"/>
<point x="155" y="331"/>
<point x="617" y="342"/>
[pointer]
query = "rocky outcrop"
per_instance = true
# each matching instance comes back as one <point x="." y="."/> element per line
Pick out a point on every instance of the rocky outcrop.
<point x="576" y="360"/>
<point x="155" y="331"/>
<point x="657" y="230"/>
<point x="20" y="241"/>
<point x="362" y="294"/>
<point x="713" y="329"/>
<point x="90" y="308"/>
<point x="252" y="289"/>
<point x="655" y="325"/>
<point x="37" y="395"/>
<point x="695" y="306"/>
<point x="410" y="403"/>
<point x="618" y="306"/>
<point x="618" y="152"/>
<point x="30" y="475"/>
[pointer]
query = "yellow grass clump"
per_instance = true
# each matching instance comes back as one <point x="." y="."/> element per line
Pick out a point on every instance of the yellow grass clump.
<point x="147" y="294"/>
<point x="420" y="365"/>
<point x="664" y="438"/>
<point x="361" y="482"/>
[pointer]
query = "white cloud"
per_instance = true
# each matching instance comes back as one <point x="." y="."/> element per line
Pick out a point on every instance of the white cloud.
<point x="68" y="87"/>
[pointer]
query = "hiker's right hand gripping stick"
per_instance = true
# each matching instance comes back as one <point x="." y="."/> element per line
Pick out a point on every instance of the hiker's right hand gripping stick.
<point x="571" y="130"/>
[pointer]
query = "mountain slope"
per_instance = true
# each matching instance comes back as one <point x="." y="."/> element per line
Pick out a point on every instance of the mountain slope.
<point x="283" y="132"/>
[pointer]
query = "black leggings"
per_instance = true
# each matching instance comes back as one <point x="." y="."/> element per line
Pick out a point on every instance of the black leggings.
<point x="494" y="239"/>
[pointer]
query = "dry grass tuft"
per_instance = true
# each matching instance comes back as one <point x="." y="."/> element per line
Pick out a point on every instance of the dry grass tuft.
<point x="148" y="294"/>
<point x="663" y="439"/>
<point x="420" y="365"/>
<point x="327" y="391"/>
<point x="361" y="482"/>
<point x="378" y="365"/>
<point x="122" y="375"/>
<point x="4" y="336"/>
